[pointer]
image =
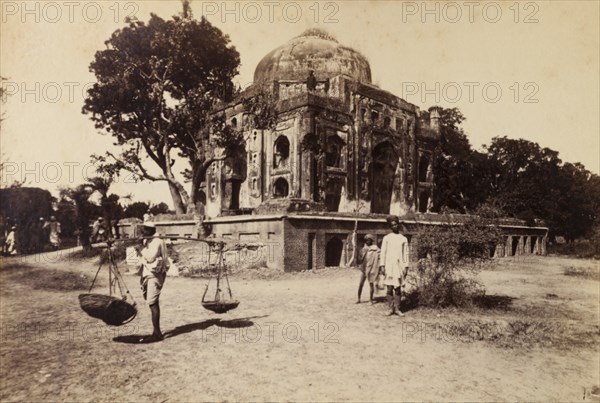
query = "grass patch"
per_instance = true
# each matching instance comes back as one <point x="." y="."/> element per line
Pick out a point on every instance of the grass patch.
<point x="512" y="330"/>
<point x="46" y="278"/>
<point x="501" y="302"/>
<point x="86" y="253"/>
<point x="523" y="332"/>
<point x="590" y="273"/>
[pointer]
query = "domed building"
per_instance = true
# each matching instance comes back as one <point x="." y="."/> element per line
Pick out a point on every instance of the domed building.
<point x="327" y="155"/>
<point x="340" y="144"/>
<point x="313" y="50"/>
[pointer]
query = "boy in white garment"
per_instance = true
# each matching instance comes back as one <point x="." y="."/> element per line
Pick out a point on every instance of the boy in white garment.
<point x="394" y="262"/>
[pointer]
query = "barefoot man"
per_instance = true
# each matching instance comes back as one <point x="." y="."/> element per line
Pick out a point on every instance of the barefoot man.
<point x="394" y="262"/>
<point x="155" y="263"/>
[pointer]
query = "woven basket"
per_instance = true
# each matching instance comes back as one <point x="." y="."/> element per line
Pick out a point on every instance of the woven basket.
<point x="220" y="306"/>
<point x="113" y="311"/>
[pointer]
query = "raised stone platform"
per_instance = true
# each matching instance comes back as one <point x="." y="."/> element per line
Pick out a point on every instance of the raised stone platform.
<point x="296" y="241"/>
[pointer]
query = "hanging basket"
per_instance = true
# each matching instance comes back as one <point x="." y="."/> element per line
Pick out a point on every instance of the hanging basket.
<point x="113" y="311"/>
<point x="220" y="306"/>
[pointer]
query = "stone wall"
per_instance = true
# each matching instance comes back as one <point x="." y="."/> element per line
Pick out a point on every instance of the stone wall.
<point x="296" y="242"/>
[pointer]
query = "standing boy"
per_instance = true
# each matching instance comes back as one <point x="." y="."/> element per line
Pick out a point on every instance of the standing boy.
<point x="394" y="261"/>
<point x="369" y="266"/>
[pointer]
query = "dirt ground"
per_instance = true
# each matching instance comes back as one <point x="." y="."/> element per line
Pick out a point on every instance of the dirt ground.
<point x="302" y="338"/>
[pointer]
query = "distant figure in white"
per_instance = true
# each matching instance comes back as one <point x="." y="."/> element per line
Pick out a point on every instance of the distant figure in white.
<point x="11" y="241"/>
<point x="54" y="231"/>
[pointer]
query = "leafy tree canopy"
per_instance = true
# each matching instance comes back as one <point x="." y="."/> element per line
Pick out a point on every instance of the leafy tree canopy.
<point x="156" y="84"/>
<point x="518" y="177"/>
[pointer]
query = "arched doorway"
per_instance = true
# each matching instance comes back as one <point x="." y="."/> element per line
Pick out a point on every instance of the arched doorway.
<point x="423" y="202"/>
<point x="334" y="152"/>
<point x="423" y="168"/>
<point x="333" y="252"/>
<point x="514" y="246"/>
<point x="333" y="194"/>
<point x="281" y="188"/>
<point x="383" y="170"/>
<point x="281" y="152"/>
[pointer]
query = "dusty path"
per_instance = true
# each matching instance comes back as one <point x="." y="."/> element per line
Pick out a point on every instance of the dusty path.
<point x="297" y="338"/>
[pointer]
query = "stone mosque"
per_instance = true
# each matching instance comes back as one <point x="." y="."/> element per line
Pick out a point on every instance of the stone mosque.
<point x="342" y="154"/>
<point x="373" y="151"/>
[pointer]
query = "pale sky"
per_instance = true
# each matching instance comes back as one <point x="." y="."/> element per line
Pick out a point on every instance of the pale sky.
<point x="518" y="69"/>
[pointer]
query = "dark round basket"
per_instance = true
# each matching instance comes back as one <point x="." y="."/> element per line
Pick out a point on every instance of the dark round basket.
<point x="113" y="311"/>
<point x="220" y="306"/>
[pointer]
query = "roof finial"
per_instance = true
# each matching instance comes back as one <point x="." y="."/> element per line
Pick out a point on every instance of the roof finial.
<point x="319" y="33"/>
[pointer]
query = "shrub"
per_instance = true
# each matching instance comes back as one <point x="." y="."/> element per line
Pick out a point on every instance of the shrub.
<point x="588" y="249"/>
<point x="451" y="255"/>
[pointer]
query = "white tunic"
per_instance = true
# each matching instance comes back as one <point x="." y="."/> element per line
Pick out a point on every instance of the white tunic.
<point x="154" y="257"/>
<point x="394" y="257"/>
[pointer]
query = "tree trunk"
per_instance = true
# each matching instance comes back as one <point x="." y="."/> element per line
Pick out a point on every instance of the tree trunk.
<point x="84" y="231"/>
<point x="84" y="240"/>
<point x="177" y="199"/>
<point x="107" y="215"/>
<point x="178" y="193"/>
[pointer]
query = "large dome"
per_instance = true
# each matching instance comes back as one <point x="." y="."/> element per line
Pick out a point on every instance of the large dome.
<point x="313" y="50"/>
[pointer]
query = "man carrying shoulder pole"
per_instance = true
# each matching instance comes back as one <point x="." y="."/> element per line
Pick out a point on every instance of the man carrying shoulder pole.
<point x="155" y="263"/>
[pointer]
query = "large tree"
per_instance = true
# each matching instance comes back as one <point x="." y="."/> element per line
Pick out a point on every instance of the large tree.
<point x="106" y="174"/>
<point x="532" y="182"/>
<point x="79" y="196"/>
<point x="136" y="209"/>
<point x="157" y="83"/>
<point x="518" y="176"/>
<point x="461" y="173"/>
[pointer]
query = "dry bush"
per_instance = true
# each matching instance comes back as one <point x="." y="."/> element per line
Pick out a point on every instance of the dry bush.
<point x="450" y="258"/>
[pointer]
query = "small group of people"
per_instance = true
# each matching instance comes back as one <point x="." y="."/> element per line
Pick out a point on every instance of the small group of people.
<point x="35" y="237"/>
<point x="391" y="262"/>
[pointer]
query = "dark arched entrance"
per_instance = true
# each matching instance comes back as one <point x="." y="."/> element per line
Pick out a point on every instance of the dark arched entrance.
<point x="333" y="252"/>
<point x="383" y="170"/>
<point x="423" y="202"/>
<point x="423" y="168"/>
<point x="514" y="245"/>
<point x="280" y="188"/>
